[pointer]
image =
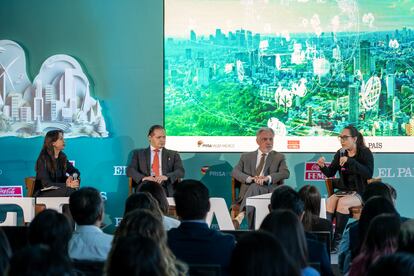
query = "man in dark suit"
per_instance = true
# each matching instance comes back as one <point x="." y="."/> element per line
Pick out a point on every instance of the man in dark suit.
<point x="193" y="241"/>
<point x="259" y="172"/>
<point x="156" y="163"/>
<point x="284" y="197"/>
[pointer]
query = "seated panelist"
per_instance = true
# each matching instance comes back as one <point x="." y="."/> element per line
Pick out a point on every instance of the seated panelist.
<point x="156" y="163"/>
<point x="355" y="164"/>
<point x="55" y="175"/>
<point x="259" y="171"/>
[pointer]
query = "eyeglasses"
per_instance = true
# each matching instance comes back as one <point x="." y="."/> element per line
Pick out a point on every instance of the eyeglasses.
<point x="344" y="137"/>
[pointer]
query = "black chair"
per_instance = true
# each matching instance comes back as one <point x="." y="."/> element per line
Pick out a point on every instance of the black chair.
<point x="17" y="236"/>
<point x="236" y="233"/>
<point x="323" y="237"/>
<point x="88" y="268"/>
<point x="204" y="270"/>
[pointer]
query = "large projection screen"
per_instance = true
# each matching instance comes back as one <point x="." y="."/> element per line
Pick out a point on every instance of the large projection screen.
<point x="305" y="68"/>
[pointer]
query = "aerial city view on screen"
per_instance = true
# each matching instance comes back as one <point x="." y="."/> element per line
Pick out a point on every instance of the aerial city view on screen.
<point x="304" y="68"/>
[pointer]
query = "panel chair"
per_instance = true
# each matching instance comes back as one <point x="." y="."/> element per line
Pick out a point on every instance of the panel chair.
<point x="30" y="183"/>
<point x="235" y="190"/>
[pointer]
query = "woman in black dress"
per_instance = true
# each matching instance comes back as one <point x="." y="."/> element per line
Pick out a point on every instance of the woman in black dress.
<point x="355" y="164"/>
<point x="55" y="175"/>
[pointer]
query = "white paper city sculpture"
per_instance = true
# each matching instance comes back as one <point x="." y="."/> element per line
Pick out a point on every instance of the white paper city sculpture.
<point x="58" y="98"/>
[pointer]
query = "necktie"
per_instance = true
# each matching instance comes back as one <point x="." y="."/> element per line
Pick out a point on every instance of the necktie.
<point x="156" y="163"/>
<point x="261" y="164"/>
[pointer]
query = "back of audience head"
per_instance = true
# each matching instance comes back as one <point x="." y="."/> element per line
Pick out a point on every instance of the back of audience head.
<point x="374" y="206"/>
<point x="260" y="253"/>
<point x="381" y="239"/>
<point x="311" y="198"/>
<point x="86" y="206"/>
<point x="142" y="200"/>
<point x="5" y="252"/>
<point x="136" y="255"/>
<point x="141" y="222"/>
<point x="383" y="233"/>
<point x="379" y="189"/>
<point x="398" y="264"/>
<point x="51" y="228"/>
<point x="146" y="224"/>
<point x="406" y="237"/>
<point x="191" y="200"/>
<point x="287" y="228"/>
<point x="157" y="192"/>
<point x="39" y="260"/>
<point x="284" y="197"/>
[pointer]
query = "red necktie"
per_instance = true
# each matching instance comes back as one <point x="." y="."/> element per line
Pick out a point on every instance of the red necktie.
<point x="156" y="163"/>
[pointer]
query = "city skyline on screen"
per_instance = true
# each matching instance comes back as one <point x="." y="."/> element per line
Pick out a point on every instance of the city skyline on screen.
<point x="303" y="68"/>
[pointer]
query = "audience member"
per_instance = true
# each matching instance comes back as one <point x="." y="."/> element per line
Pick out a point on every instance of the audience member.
<point x="353" y="236"/>
<point x="286" y="227"/>
<point x="373" y="207"/>
<point x="285" y="198"/>
<point x="260" y="254"/>
<point x="311" y="218"/>
<point x="51" y="228"/>
<point x="381" y="239"/>
<point x="39" y="260"/>
<point x="159" y="194"/>
<point x="5" y="252"/>
<point x="398" y="264"/>
<point x="193" y="241"/>
<point x="147" y="224"/>
<point x="138" y="255"/>
<point x="142" y="200"/>
<point x="406" y="238"/>
<point x="88" y="242"/>
<point x="379" y="189"/>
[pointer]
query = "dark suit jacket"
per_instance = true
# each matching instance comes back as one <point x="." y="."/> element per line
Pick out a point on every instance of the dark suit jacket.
<point x="140" y="165"/>
<point x="275" y="166"/>
<point x="195" y="243"/>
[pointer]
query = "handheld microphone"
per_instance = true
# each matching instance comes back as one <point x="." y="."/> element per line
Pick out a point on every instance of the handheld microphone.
<point x="342" y="154"/>
<point x="75" y="176"/>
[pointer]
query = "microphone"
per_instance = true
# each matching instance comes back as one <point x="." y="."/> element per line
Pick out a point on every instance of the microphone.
<point x="342" y="154"/>
<point x="75" y="176"/>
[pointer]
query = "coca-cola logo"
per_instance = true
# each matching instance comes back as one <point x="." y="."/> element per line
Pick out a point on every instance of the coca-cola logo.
<point x="15" y="191"/>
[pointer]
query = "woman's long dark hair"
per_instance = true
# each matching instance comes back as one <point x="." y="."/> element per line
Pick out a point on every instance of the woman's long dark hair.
<point x="381" y="239"/>
<point x="287" y="228"/>
<point x="360" y="143"/>
<point x="47" y="154"/>
<point x="312" y="198"/>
